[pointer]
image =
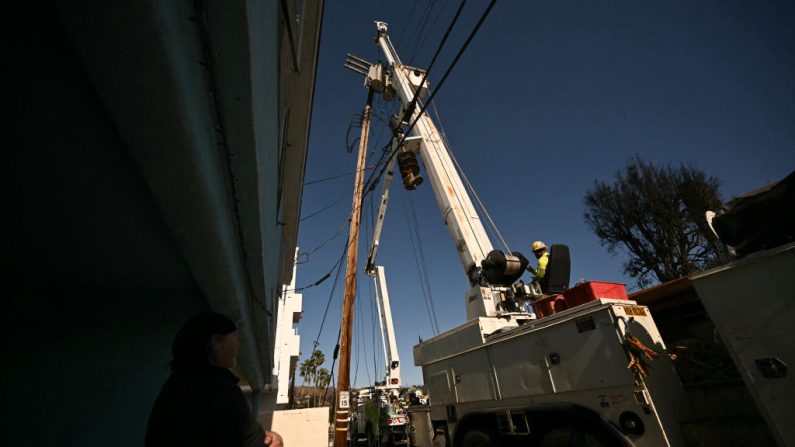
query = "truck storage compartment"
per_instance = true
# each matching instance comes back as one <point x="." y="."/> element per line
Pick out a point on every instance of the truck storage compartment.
<point x="593" y="290"/>
<point x="577" y="295"/>
<point x="549" y="305"/>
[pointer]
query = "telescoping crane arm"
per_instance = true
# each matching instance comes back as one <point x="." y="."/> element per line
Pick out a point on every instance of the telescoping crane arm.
<point x="379" y="223"/>
<point x="382" y="295"/>
<point x="387" y="330"/>
<point x="458" y="212"/>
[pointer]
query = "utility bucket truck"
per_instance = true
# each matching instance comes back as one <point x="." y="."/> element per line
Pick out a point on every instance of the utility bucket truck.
<point x="732" y="328"/>
<point x="595" y="374"/>
<point x="380" y="415"/>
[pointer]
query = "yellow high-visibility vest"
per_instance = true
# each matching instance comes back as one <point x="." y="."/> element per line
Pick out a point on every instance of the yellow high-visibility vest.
<point x="541" y="270"/>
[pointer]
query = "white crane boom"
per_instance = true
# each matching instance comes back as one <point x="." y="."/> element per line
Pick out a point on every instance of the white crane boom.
<point x="458" y="212"/>
<point x="382" y="295"/>
<point x="387" y="330"/>
<point x="379" y="223"/>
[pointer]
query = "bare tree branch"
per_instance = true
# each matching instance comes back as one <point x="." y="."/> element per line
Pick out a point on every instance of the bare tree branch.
<point x="656" y="214"/>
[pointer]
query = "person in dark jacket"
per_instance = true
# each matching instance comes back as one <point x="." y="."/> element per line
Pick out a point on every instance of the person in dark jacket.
<point x="201" y="404"/>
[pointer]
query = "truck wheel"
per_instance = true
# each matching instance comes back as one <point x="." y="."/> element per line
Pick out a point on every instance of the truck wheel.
<point x="571" y="437"/>
<point x="477" y="438"/>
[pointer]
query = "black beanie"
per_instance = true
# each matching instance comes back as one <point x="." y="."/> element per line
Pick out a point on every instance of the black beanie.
<point x="190" y="348"/>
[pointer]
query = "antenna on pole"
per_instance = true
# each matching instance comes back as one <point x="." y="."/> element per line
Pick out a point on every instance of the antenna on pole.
<point x="357" y="64"/>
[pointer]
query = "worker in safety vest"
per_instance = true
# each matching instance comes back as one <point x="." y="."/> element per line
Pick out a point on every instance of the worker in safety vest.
<point x="372" y="411"/>
<point x="540" y="250"/>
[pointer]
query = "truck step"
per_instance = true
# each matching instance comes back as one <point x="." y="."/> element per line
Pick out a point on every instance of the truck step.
<point x="729" y="432"/>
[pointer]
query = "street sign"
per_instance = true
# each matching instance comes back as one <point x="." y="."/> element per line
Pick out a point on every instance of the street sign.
<point x="344" y="400"/>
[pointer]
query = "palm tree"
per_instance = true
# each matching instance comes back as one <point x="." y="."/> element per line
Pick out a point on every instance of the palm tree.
<point x="306" y="370"/>
<point x="317" y="361"/>
<point x="309" y="367"/>
<point x="323" y="380"/>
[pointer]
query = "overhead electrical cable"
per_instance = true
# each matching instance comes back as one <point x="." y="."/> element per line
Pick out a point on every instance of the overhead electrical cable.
<point x="330" y="297"/>
<point x="421" y="252"/>
<point x="354" y="123"/>
<point x="303" y="257"/>
<point x="433" y="24"/>
<point x="406" y="24"/>
<point x="421" y="30"/>
<point x="311" y="215"/>
<point x="415" y="33"/>
<point x="453" y="63"/>
<point x="334" y="177"/>
<point x="459" y="201"/>
<point x="358" y="341"/>
<point x="333" y="362"/>
<point x="338" y="266"/>
<point x="306" y="254"/>
<point x="369" y="185"/>
<point x="319" y="281"/>
<point x="413" y="243"/>
<point x="469" y="186"/>
<point x="383" y="126"/>
<point x="411" y="105"/>
<point x="441" y="83"/>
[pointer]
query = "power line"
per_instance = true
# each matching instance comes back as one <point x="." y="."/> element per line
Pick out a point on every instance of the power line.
<point x="435" y="19"/>
<point x="412" y="225"/>
<point x="333" y="362"/>
<point x="421" y="30"/>
<point x="340" y="199"/>
<point x="306" y="254"/>
<point x="358" y="340"/>
<point x="441" y="83"/>
<point x="383" y="126"/>
<point x="352" y="124"/>
<point x="421" y="252"/>
<point x="330" y="296"/>
<point x="493" y="227"/>
<point x="455" y="60"/>
<point x="338" y="266"/>
<point x="322" y="278"/>
<point x="316" y="283"/>
<point x="405" y="25"/>
<point x="417" y="28"/>
<point x="334" y="177"/>
<point x="411" y="105"/>
<point x="369" y="184"/>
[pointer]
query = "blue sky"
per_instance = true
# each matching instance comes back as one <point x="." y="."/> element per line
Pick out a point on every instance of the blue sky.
<point x="549" y="97"/>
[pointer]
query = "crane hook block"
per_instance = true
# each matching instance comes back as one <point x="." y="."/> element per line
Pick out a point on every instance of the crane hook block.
<point x="409" y="169"/>
<point x="500" y="269"/>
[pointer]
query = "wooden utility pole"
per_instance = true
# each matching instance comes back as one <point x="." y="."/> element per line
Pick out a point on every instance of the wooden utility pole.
<point x="343" y="379"/>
